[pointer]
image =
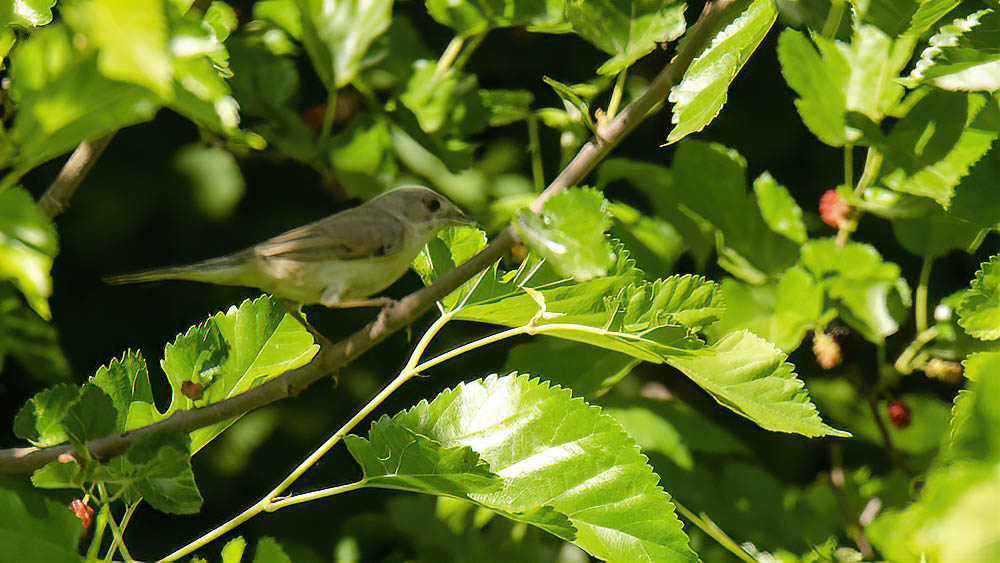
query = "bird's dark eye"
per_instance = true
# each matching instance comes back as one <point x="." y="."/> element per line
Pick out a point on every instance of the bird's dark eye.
<point x="432" y="205"/>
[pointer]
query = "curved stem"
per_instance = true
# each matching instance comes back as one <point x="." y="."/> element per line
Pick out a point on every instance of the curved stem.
<point x="470" y="48"/>
<point x="448" y="56"/>
<point x="712" y="530"/>
<point x="329" y="115"/>
<point x="280" y="503"/>
<point x="873" y="163"/>
<point x="833" y="18"/>
<point x="616" y="94"/>
<point x="920" y="301"/>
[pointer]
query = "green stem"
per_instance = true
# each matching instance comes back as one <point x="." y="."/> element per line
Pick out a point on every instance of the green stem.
<point x="119" y="542"/>
<point x="535" y="148"/>
<point x="921" y="293"/>
<point x="329" y="115"/>
<point x="904" y="363"/>
<point x="848" y="164"/>
<point x="833" y="18"/>
<point x="713" y="531"/>
<point x="616" y="95"/>
<point x="449" y="55"/>
<point x="278" y="504"/>
<point x="99" y="524"/>
<point x="263" y="504"/>
<point x="469" y="49"/>
<point x="873" y="163"/>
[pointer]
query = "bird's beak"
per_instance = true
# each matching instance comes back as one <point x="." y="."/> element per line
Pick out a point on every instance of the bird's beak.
<point x="456" y="217"/>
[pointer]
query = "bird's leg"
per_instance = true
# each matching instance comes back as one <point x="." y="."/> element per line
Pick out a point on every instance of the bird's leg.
<point x="295" y="310"/>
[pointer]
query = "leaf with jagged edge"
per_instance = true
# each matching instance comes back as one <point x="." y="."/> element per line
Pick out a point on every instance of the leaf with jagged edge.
<point x="444" y="252"/>
<point x="561" y="460"/>
<point x="36" y="528"/>
<point x="338" y="35"/>
<point x="232" y="352"/>
<point x="962" y="56"/>
<point x="469" y="17"/>
<point x="979" y="313"/>
<point x="703" y="90"/>
<point x="28" y="246"/>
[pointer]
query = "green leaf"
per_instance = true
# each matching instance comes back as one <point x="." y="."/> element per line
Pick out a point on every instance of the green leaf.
<point x="92" y="416"/>
<point x="710" y="181"/>
<point x="338" y="33"/>
<point x="221" y="18"/>
<point x="232" y="552"/>
<point x="833" y="78"/>
<point x="507" y="106"/>
<point x="896" y="17"/>
<point x="751" y="377"/>
<point x="28" y="245"/>
<point x="557" y="455"/>
<point x="779" y="210"/>
<point x="654" y="243"/>
<point x="859" y="283"/>
<point x="63" y="100"/>
<point x="572" y="100"/>
<point x="569" y="233"/>
<point x="395" y="457"/>
<point x="703" y="90"/>
<point x="132" y="39"/>
<point x="31" y="13"/>
<point x="588" y="370"/>
<point x="935" y="145"/>
<point x="445" y="104"/>
<point x="40" y="420"/>
<point x="215" y="178"/>
<point x="361" y="157"/>
<point x="270" y="551"/>
<point x="160" y="467"/>
<point x="29" y="340"/>
<point x="780" y="312"/>
<point x="34" y="528"/>
<point x="448" y="249"/>
<point x="962" y="56"/>
<point x="470" y="17"/>
<point x="232" y="352"/>
<point x="626" y="29"/>
<point x="979" y="313"/>
<point x="126" y="381"/>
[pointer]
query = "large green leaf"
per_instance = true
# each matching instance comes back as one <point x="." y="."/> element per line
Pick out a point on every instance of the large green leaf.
<point x="557" y="456"/>
<point x="62" y="99"/>
<point x="963" y="56"/>
<point x="35" y="528"/>
<point x="448" y="249"/>
<point x="338" y="33"/>
<point x="469" y="17"/>
<point x="703" y="90"/>
<point x="833" y="78"/>
<point x="28" y="245"/>
<point x="932" y="148"/>
<point x="710" y="181"/>
<point x="979" y="313"/>
<point x="588" y="370"/>
<point x="232" y="352"/>
<point x="40" y="420"/>
<point x="126" y="381"/>
<point x="626" y="29"/>
<point x="395" y="457"/>
<point x="569" y="233"/>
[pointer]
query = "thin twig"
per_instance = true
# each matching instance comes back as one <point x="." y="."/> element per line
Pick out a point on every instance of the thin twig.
<point x="392" y="319"/>
<point x="56" y="198"/>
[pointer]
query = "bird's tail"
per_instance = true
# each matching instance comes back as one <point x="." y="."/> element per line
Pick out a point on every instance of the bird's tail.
<point x="221" y="270"/>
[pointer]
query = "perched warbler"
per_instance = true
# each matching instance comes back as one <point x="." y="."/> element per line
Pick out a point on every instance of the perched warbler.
<point x="337" y="261"/>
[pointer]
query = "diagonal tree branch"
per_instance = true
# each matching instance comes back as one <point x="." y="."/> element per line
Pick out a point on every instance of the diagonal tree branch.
<point x="56" y="198"/>
<point x="392" y="319"/>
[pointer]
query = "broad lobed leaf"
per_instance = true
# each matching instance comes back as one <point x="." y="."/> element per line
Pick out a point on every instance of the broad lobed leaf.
<point x="979" y="312"/>
<point x="962" y="56"/>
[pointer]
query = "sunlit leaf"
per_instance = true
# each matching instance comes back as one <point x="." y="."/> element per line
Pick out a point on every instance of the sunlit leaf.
<point x="626" y="29"/>
<point x="40" y="420"/>
<point x="703" y="90"/>
<point x="448" y="249"/>
<point x="337" y="34"/>
<point x="779" y="209"/>
<point x="588" y="370"/>
<point x="979" y="313"/>
<point x="963" y="56"/>
<point x="35" y="528"/>
<point x="469" y="17"/>
<point x="28" y="245"/>
<point x="557" y="455"/>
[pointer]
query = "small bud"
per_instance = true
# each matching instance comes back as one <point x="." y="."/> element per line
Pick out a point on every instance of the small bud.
<point x="945" y="370"/>
<point x="833" y="209"/>
<point x="192" y="390"/>
<point x="827" y="350"/>
<point x="66" y="458"/>
<point x="83" y="511"/>
<point x="899" y="413"/>
<point x="942" y="313"/>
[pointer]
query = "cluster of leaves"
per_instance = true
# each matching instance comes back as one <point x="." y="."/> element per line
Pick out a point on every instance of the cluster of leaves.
<point x="525" y="445"/>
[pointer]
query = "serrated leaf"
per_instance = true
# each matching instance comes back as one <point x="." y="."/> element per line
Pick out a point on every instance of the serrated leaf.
<point x="159" y="465"/>
<point x="833" y="78"/>
<point x="751" y="377"/>
<point x="469" y="17"/>
<point x="131" y="37"/>
<point x="232" y="352"/>
<point x="626" y="29"/>
<point x="569" y="233"/>
<point x="126" y="381"/>
<point x="395" y="457"/>
<point x="449" y="248"/>
<point x="710" y="181"/>
<point x="779" y="210"/>
<point x="40" y="420"/>
<point x="962" y="56"/>
<point x="588" y="370"/>
<point x="232" y="552"/>
<point x="934" y="146"/>
<point x="35" y="528"/>
<point x="337" y="35"/>
<point x="979" y="313"/>
<point x="92" y="416"/>
<point x="270" y="551"/>
<point x="859" y="282"/>
<point x="703" y="90"/>
<point x="28" y="245"/>
<point x="780" y="312"/>
<point x="558" y="455"/>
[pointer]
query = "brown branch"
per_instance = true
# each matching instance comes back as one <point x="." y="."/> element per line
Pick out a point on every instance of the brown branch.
<point x="412" y="307"/>
<point x="56" y="198"/>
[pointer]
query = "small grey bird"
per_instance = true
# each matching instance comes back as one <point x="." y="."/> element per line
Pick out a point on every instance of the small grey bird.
<point x="337" y="261"/>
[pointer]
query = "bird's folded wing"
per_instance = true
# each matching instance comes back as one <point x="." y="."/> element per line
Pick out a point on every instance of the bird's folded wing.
<point x="353" y="234"/>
